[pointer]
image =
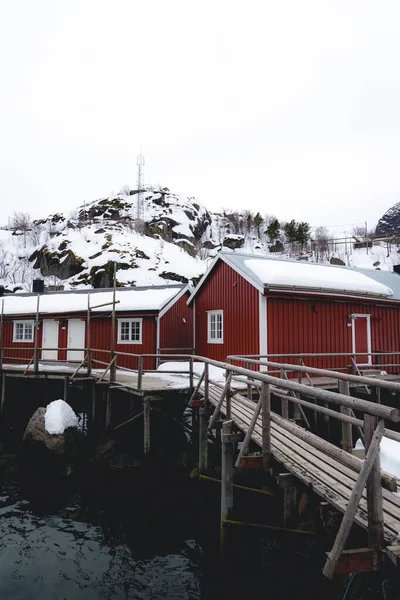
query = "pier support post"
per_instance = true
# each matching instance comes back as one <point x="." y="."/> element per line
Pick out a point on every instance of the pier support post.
<point x="226" y="478"/>
<point x="146" y="426"/>
<point x="66" y="389"/>
<point x="203" y="440"/>
<point x="3" y="397"/>
<point x="347" y="431"/>
<point x="374" y="490"/>
<point x="287" y="482"/>
<point x="108" y="408"/>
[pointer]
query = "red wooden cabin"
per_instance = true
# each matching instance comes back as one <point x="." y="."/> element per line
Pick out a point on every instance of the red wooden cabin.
<point x="148" y="320"/>
<point x="252" y="304"/>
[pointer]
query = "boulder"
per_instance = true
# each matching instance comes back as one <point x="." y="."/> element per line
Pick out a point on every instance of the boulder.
<point x="233" y="241"/>
<point x="337" y="261"/>
<point x="68" y="443"/>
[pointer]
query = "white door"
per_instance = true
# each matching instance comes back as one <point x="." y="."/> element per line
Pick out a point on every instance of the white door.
<point x="361" y="337"/>
<point x="50" y="340"/>
<point x="76" y="339"/>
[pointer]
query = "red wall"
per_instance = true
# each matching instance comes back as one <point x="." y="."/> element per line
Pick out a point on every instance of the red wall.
<point x="176" y="327"/>
<point x="21" y="352"/>
<point x="226" y="290"/>
<point x="321" y="326"/>
<point x="100" y="335"/>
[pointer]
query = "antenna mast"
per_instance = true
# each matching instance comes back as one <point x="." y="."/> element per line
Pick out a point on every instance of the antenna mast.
<point x="140" y="187"/>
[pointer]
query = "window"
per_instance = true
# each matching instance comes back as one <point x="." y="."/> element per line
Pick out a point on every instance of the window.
<point x="129" y="331"/>
<point x="23" y="331"/>
<point x="215" y="327"/>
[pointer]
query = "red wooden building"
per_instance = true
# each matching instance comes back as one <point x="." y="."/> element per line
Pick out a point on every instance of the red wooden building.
<point x="252" y="304"/>
<point x="148" y="320"/>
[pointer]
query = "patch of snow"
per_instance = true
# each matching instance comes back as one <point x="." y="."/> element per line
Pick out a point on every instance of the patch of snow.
<point x="58" y="417"/>
<point x="315" y="277"/>
<point x="390" y="455"/>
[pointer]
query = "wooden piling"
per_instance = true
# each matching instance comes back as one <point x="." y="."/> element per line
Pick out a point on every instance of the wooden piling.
<point x="203" y="434"/>
<point x="287" y="482"/>
<point x="146" y="426"/>
<point x="226" y="478"/>
<point x="108" y="408"/>
<point x="347" y="430"/>
<point x="66" y="381"/>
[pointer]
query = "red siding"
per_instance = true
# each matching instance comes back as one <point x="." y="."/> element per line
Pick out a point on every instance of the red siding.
<point x="176" y="327"/>
<point x="100" y="335"/>
<point x="226" y="290"/>
<point x="21" y="352"/>
<point x="297" y="325"/>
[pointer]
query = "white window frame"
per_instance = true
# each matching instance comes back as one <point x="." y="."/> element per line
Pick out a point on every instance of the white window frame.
<point x="130" y="321"/>
<point x="210" y="315"/>
<point x="25" y="324"/>
<point x="355" y="316"/>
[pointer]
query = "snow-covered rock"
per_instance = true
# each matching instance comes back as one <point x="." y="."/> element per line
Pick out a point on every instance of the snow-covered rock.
<point x="59" y="416"/>
<point x="390" y="221"/>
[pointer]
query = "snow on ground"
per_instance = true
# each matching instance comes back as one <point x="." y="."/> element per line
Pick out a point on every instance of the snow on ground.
<point x="315" y="276"/>
<point x="216" y="374"/>
<point x="390" y="455"/>
<point x="58" y="417"/>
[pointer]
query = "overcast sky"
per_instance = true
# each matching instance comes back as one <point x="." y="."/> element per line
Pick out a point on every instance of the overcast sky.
<point x="286" y="107"/>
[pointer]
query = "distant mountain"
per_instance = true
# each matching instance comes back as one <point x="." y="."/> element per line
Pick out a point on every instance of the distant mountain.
<point x="390" y="222"/>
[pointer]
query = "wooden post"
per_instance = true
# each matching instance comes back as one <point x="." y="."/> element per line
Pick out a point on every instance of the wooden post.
<point x="265" y="397"/>
<point x="249" y="387"/>
<point x="287" y="482"/>
<point x="249" y="432"/>
<point x="374" y="489"/>
<point x="203" y="434"/>
<point x="3" y="393"/>
<point x="191" y="375"/>
<point x="378" y="394"/>
<point x="206" y="384"/>
<point x="36" y="350"/>
<point x="226" y="476"/>
<point x="228" y="396"/>
<point x="88" y="342"/>
<point x="93" y="402"/>
<point x="65" y="389"/>
<point x="348" y="517"/>
<point x="113" y="367"/>
<point x="108" y="408"/>
<point x="284" y="401"/>
<point x="347" y="430"/>
<point x="140" y="373"/>
<point x="146" y="423"/>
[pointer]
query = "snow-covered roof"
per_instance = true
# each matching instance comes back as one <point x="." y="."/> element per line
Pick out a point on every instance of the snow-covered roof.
<point x="267" y="273"/>
<point x="129" y="300"/>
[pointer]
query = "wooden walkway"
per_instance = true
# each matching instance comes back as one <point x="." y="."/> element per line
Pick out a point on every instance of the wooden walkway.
<point x="327" y="476"/>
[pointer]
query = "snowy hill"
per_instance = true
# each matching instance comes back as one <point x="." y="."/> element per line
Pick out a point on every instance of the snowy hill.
<point x="172" y="241"/>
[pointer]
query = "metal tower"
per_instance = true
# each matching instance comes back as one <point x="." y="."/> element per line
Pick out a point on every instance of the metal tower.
<point x="140" y="187"/>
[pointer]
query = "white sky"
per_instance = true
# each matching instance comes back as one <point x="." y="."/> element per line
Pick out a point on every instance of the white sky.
<point x="287" y="107"/>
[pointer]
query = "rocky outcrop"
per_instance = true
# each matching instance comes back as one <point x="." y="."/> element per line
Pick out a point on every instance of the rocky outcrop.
<point x="68" y="444"/>
<point x="63" y="263"/>
<point x="389" y="223"/>
<point x="337" y="261"/>
<point x="233" y="241"/>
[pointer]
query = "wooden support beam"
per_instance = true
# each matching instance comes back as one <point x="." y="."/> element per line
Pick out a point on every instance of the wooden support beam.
<point x="249" y="433"/>
<point x="224" y="394"/>
<point x="266" y="423"/>
<point x="374" y="490"/>
<point x="347" y="431"/>
<point x="288" y="483"/>
<point x="65" y="389"/>
<point x="226" y="477"/>
<point x="146" y="426"/>
<point x="348" y="517"/>
<point x="3" y="393"/>
<point x="252" y="461"/>
<point x="203" y="441"/>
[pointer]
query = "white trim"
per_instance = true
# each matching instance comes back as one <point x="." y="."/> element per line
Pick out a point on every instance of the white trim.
<point x="130" y="320"/>
<point x="260" y="288"/>
<point x="174" y="299"/>
<point x="25" y="322"/>
<point x="157" y="340"/>
<point x="194" y="326"/>
<point x="355" y="316"/>
<point x="263" y="327"/>
<point x="210" y="313"/>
